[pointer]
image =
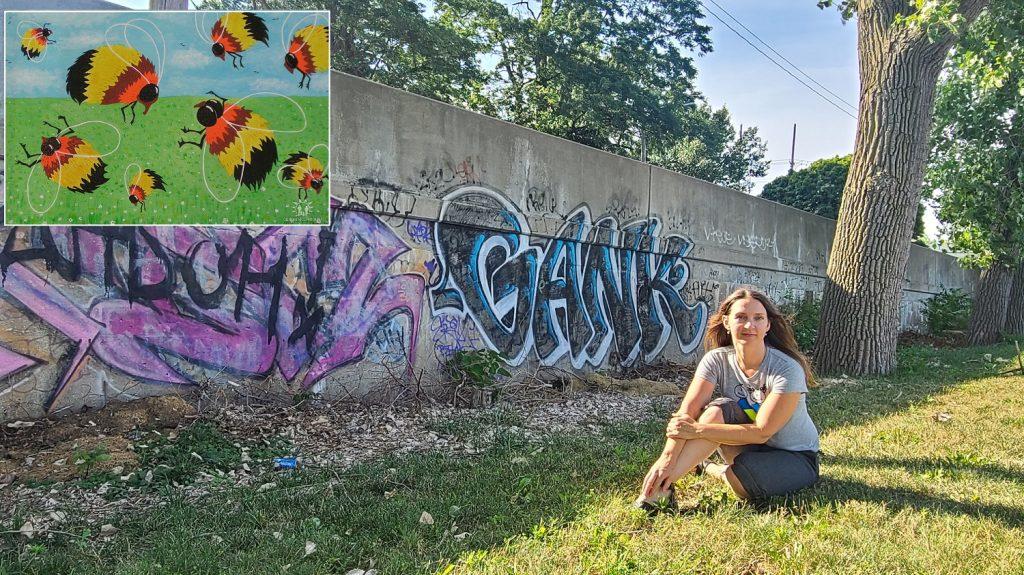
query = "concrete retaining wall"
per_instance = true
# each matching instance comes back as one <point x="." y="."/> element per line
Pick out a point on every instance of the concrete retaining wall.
<point x="451" y="231"/>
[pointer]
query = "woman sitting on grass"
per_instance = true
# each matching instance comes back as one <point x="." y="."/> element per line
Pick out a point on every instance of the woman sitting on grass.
<point x="759" y="422"/>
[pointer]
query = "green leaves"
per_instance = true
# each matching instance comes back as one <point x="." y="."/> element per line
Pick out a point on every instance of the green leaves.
<point x="816" y="188"/>
<point x="479" y="368"/>
<point x="977" y="159"/>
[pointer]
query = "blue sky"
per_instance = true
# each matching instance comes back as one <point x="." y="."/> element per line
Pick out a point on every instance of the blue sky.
<point x="189" y="68"/>
<point x="760" y="94"/>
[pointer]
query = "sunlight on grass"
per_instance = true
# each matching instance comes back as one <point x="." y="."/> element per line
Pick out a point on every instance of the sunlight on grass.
<point x="903" y="491"/>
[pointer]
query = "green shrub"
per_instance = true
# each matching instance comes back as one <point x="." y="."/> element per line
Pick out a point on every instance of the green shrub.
<point x="804" y="315"/>
<point x="948" y="310"/>
<point x="478" y="367"/>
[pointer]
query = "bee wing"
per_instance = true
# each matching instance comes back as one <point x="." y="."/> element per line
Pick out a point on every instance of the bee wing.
<point x="134" y="23"/>
<point x="201" y="25"/>
<point x="98" y="154"/>
<point x="285" y="38"/>
<point x="24" y="26"/>
<point x="206" y="181"/>
<point x="302" y="113"/>
<point x="54" y="190"/>
<point x="135" y="180"/>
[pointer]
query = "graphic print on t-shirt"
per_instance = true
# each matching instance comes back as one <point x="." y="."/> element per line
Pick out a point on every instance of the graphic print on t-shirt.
<point x="750" y="400"/>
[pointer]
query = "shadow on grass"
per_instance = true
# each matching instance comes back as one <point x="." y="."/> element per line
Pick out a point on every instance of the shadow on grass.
<point x="922" y="372"/>
<point x="830" y="491"/>
<point x="372" y="512"/>
<point x="949" y="465"/>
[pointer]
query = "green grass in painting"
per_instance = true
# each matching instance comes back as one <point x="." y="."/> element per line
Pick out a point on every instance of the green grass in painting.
<point x="152" y="142"/>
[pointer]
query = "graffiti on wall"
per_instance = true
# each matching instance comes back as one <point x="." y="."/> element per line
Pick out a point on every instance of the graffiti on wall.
<point x="598" y="291"/>
<point x="287" y="298"/>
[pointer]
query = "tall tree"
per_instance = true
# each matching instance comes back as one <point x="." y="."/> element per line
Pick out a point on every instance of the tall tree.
<point x="818" y="189"/>
<point x="1015" y="309"/>
<point x="611" y="74"/>
<point x="599" y="72"/>
<point x="976" y="170"/>
<point x="393" y="42"/>
<point x="708" y="147"/>
<point x="901" y="47"/>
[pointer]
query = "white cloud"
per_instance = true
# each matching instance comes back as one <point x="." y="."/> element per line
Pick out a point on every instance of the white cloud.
<point x="78" y="42"/>
<point x="24" y="82"/>
<point x="274" y="85"/>
<point x="189" y="59"/>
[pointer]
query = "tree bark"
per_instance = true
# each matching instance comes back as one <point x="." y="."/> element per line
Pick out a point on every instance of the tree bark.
<point x="988" y="310"/>
<point x="1015" y="310"/>
<point x="899" y="67"/>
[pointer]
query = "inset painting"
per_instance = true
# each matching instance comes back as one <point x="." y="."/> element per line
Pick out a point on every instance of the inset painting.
<point x="190" y="118"/>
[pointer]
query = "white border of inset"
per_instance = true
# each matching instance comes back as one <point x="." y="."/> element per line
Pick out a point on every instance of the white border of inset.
<point x="325" y="14"/>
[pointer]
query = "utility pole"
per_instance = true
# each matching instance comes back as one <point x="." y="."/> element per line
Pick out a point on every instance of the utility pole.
<point x="792" y="152"/>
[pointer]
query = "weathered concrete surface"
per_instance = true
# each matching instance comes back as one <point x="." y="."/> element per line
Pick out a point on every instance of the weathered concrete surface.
<point x="452" y="231"/>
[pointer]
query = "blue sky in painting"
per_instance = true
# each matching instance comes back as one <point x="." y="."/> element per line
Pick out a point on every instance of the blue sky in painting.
<point x="188" y="66"/>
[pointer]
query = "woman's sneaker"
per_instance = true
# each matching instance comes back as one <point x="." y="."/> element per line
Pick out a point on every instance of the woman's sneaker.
<point x="665" y="502"/>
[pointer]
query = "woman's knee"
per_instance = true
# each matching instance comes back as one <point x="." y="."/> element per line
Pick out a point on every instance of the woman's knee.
<point x="712" y="414"/>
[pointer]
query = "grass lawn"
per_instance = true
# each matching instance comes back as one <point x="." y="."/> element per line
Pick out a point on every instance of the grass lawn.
<point x="152" y="142"/>
<point x="903" y="491"/>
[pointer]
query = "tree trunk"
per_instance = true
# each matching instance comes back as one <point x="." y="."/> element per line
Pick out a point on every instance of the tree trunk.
<point x="899" y="67"/>
<point x="1015" y="311"/>
<point x="988" y="310"/>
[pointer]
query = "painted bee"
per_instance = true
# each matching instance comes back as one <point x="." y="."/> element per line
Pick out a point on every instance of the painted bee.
<point x="308" y="52"/>
<point x="68" y="160"/>
<point x="35" y="40"/>
<point x="236" y="32"/>
<point x="114" y="75"/>
<point x="142" y="185"/>
<point x="304" y="172"/>
<point x="240" y="139"/>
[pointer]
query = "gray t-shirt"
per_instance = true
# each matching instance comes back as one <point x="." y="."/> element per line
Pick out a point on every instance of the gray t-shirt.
<point x="778" y="373"/>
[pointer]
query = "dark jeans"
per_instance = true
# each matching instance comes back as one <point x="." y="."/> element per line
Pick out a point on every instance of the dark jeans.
<point x="766" y="471"/>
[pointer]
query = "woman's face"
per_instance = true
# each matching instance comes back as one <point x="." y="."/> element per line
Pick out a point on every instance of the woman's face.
<point x="748" y="321"/>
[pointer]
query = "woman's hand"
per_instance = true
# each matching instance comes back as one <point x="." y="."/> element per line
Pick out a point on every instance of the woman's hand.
<point x="657" y="479"/>
<point x="681" y="426"/>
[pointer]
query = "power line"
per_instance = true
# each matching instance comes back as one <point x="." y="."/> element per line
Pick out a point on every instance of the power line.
<point x="781" y="67"/>
<point x="784" y="59"/>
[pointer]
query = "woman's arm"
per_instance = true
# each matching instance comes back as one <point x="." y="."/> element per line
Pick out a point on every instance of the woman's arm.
<point x="697" y="396"/>
<point x="775" y="412"/>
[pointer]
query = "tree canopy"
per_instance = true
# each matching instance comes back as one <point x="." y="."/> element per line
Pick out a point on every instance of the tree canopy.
<point x="612" y="74"/>
<point x="817" y="188"/>
<point x="976" y="167"/>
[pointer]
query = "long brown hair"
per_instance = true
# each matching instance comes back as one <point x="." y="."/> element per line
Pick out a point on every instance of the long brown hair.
<point x="780" y="335"/>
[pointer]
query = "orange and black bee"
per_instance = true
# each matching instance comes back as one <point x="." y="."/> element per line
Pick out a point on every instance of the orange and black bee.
<point x="114" y="75"/>
<point x="240" y="139"/>
<point x="68" y="160"/>
<point x="308" y="53"/>
<point x="35" y="40"/>
<point x="305" y="172"/>
<point x="142" y="185"/>
<point x="236" y="32"/>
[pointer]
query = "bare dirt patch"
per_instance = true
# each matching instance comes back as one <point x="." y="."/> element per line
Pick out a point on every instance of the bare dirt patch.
<point x="89" y="442"/>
